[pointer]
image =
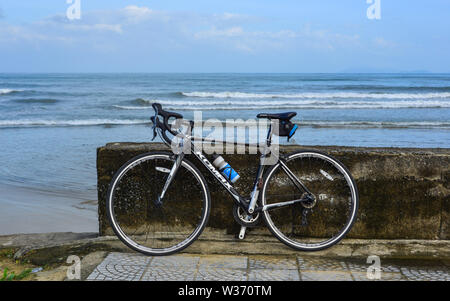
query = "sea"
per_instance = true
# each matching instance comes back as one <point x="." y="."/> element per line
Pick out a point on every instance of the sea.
<point x="52" y="124"/>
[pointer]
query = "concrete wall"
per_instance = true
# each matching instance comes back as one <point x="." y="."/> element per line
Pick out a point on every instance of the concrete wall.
<point x="404" y="193"/>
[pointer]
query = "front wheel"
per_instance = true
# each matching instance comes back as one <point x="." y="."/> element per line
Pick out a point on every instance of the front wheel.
<point x="144" y="221"/>
<point x="321" y="222"/>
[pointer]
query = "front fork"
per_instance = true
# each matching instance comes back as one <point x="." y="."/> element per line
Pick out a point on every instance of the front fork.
<point x="172" y="173"/>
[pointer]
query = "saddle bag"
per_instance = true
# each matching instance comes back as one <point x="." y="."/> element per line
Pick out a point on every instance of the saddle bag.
<point x="286" y="129"/>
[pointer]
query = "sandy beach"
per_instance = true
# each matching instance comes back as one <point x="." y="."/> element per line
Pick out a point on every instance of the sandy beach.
<point x="34" y="211"/>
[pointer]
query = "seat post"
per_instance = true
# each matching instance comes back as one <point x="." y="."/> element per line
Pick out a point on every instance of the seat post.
<point x="266" y="150"/>
<point x="269" y="134"/>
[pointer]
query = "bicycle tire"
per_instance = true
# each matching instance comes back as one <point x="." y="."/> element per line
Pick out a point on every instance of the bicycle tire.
<point x="130" y="164"/>
<point x="312" y="246"/>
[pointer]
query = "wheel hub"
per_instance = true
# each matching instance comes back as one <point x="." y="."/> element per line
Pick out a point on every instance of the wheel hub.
<point x="310" y="200"/>
<point x="157" y="202"/>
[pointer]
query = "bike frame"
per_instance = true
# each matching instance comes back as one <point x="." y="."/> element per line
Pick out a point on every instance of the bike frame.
<point x="249" y="205"/>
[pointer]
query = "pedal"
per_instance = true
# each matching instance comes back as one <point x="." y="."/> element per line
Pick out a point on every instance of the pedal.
<point x="242" y="232"/>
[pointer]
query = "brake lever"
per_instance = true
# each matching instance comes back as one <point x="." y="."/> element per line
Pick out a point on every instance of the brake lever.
<point x="154" y="133"/>
<point x="154" y="124"/>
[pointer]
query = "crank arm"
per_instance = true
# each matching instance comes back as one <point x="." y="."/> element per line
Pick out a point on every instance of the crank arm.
<point x="242" y="232"/>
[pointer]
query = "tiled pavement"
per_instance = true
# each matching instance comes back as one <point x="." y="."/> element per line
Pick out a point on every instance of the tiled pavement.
<point x="135" y="267"/>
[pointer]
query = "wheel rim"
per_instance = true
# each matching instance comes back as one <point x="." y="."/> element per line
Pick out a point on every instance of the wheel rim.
<point x="334" y="212"/>
<point x="147" y="226"/>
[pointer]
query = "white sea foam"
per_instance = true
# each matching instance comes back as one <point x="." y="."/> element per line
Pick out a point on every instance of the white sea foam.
<point x="8" y="91"/>
<point x="133" y="107"/>
<point x="376" y="124"/>
<point x="83" y="122"/>
<point x="341" y="124"/>
<point x="248" y="104"/>
<point x="313" y="123"/>
<point x="318" y="95"/>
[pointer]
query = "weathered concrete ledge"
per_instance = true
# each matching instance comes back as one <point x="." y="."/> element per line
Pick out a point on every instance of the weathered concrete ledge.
<point x="42" y="251"/>
<point x="51" y="250"/>
<point x="404" y="193"/>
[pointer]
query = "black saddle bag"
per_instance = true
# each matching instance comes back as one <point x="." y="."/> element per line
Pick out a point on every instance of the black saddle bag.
<point x="287" y="129"/>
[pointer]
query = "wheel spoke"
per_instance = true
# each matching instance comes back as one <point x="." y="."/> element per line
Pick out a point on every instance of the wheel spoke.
<point x="330" y="216"/>
<point x="153" y="228"/>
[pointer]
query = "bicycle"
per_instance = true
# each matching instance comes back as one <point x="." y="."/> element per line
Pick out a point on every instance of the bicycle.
<point x="158" y="203"/>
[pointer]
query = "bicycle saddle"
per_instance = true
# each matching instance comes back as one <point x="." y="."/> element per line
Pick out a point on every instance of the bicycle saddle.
<point x="280" y="116"/>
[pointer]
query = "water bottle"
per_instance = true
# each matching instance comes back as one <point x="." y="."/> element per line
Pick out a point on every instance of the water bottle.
<point x="225" y="169"/>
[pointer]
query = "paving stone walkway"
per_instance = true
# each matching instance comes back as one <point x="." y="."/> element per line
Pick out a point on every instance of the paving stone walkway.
<point x="184" y="267"/>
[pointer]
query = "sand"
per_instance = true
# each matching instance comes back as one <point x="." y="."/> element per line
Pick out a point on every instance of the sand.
<point x="26" y="210"/>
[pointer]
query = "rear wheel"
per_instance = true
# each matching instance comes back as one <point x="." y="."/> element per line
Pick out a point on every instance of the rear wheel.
<point x="141" y="221"/>
<point x="319" y="223"/>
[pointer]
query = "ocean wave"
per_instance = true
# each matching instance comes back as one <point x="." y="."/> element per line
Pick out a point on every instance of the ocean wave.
<point x="8" y="91"/>
<point x="132" y="107"/>
<point x="36" y="100"/>
<point x="318" y="95"/>
<point x="141" y="101"/>
<point x="137" y="104"/>
<point x="340" y="124"/>
<point x="375" y="124"/>
<point x="306" y="123"/>
<point x="390" y="88"/>
<point x="241" y="104"/>
<point x="81" y="122"/>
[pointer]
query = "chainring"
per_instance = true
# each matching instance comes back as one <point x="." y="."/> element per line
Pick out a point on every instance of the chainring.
<point x="240" y="217"/>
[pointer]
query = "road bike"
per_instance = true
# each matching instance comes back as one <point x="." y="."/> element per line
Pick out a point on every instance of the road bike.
<point x="158" y="203"/>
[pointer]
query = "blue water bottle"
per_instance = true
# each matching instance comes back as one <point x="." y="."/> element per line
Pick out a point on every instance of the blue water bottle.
<point x="226" y="169"/>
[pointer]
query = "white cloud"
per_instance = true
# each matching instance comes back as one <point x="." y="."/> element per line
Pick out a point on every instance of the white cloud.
<point x="144" y="27"/>
<point x="233" y="17"/>
<point x="250" y="41"/>
<point x="136" y="13"/>
<point x="14" y="33"/>
<point x="327" y="40"/>
<point x="117" y="28"/>
<point x="214" y="32"/>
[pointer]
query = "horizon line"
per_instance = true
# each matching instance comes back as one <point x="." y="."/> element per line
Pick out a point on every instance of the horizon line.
<point x="218" y="72"/>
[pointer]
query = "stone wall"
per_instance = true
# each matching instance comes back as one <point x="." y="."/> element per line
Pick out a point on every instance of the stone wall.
<point x="404" y="193"/>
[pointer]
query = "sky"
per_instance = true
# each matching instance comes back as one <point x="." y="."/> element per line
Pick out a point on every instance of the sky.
<point x="225" y="36"/>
